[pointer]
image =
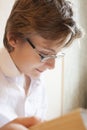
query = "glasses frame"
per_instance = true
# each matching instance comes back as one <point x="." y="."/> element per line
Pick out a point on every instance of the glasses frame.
<point x="43" y="57"/>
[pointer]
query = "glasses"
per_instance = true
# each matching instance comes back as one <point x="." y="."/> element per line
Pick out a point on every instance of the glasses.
<point x="44" y="56"/>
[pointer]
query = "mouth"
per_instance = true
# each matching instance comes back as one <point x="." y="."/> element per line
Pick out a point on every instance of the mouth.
<point x="40" y="71"/>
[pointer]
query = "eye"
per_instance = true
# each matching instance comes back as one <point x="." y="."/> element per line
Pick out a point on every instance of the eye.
<point x="42" y="56"/>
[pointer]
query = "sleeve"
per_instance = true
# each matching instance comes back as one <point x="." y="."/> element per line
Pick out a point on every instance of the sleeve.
<point x="3" y="120"/>
<point x="6" y="114"/>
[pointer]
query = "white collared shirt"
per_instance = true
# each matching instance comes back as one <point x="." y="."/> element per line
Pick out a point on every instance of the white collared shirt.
<point x="13" y="100"/>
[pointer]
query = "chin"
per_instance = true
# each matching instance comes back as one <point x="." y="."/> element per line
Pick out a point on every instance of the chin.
<point x="34" y="76"/>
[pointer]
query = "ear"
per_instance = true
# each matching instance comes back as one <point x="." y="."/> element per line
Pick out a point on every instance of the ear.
<point x="11" y="39"/>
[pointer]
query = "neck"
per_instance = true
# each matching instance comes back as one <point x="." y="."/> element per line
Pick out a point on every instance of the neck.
<point x="27" y="83"/>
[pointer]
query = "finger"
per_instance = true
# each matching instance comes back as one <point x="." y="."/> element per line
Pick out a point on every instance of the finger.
<point x="13" y="126"/>
<point x="27" y="122"/>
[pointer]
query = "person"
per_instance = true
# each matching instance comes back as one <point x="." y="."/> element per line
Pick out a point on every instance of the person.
<point x="36" y="32"/>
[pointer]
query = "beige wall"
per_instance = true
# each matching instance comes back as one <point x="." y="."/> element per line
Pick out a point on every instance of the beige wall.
<point x="5" y="7"/>
<point x="75" y="75"/>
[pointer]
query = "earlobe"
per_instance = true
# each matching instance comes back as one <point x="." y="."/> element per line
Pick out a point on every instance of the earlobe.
<point x="12" y="43"/>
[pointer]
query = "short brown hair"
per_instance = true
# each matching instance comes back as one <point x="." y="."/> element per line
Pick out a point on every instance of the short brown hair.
<point x="51" y="19"/>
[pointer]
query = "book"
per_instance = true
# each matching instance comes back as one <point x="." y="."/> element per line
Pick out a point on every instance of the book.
<point x="70" y="121"/>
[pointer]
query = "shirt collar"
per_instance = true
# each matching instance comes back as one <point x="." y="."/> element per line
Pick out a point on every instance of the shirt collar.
<point x="7" y="65"/>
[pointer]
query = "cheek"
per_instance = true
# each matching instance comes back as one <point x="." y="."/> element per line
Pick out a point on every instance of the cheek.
<point x="26" y="59"/>
<point x="29" y="63"/>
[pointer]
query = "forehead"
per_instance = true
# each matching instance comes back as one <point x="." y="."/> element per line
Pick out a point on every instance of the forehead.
<point x="50" y="45"/>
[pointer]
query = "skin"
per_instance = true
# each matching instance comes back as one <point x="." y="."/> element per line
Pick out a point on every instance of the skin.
<point x="21" y="124"/>
<point x="27" y="60"/>
<point x="13" y="126"/>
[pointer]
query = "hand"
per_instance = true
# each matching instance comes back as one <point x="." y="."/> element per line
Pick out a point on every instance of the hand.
<point x="13" y="126"/>
<point x="21" y="123"/>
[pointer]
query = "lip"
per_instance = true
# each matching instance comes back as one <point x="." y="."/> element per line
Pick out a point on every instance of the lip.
<point x="40" y="71"/>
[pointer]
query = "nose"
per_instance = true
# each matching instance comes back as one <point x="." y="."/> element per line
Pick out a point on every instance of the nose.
<point x="50" y="63"/>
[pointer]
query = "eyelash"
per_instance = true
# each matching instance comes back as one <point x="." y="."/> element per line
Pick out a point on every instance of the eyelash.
<point x="42" y="56"/>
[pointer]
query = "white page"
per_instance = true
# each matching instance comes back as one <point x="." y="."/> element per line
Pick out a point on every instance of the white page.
<point x="84" y="117"/>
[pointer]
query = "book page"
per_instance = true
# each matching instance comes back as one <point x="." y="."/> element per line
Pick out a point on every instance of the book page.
<point x="70" y="121"/>
<point x="84" y="117"/>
